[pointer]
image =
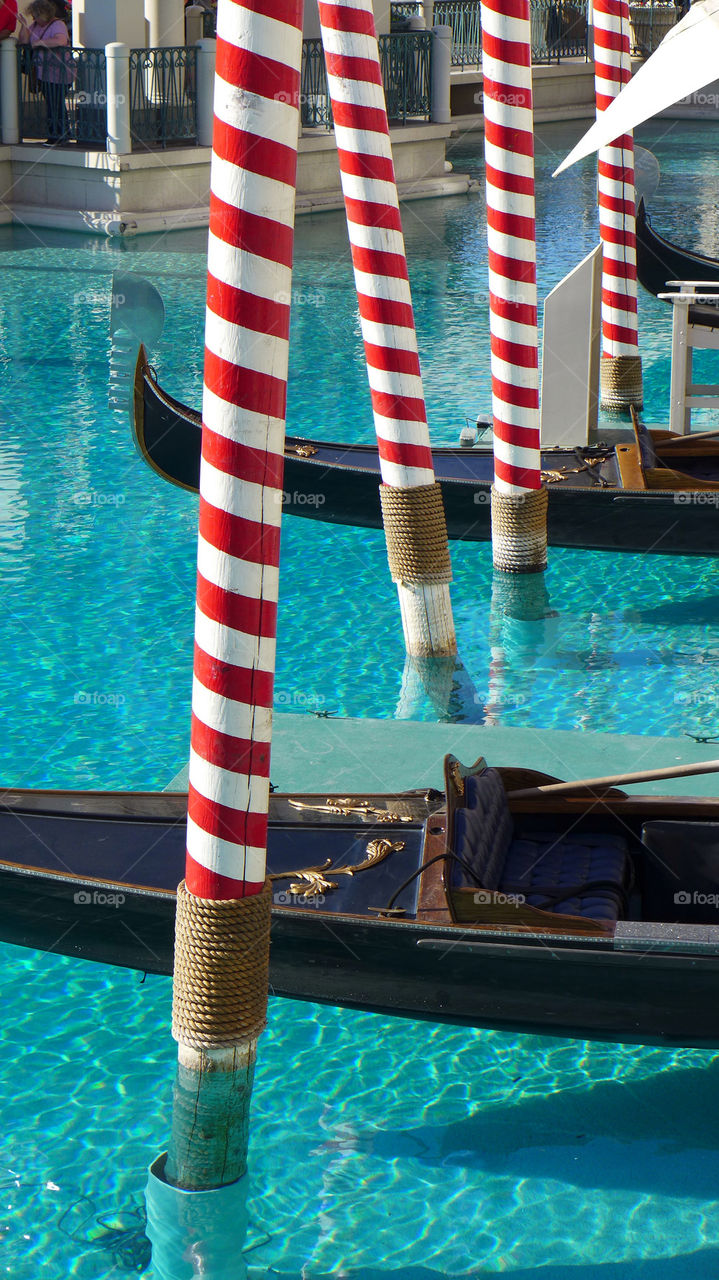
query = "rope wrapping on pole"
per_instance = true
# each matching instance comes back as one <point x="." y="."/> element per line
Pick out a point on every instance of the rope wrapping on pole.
<point x="509" y="156"/>
<point x="416" y="531"/>
<point x="617" y="221"/>
<point x="384" y="298"/>
<point x="252" y="183"/>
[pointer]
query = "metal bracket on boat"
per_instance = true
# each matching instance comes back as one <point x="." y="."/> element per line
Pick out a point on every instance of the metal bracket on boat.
<point x="312" y="881"/>
<point x="345" y="807"/>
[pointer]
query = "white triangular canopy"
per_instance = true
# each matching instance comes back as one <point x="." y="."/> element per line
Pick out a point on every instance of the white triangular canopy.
<point x="687" y="59"/>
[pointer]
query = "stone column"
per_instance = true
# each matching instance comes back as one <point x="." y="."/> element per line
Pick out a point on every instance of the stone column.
<point x="206" y="55"/>
<point x="96" y="23"/>
<point x="441" y="71"/>
<point x="165" y="21"/>
<point x="9" y="92"/>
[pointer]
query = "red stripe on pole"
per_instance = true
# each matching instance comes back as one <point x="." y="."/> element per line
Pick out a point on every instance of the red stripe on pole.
<point x="402" y="407"/>
<point x="244" y="613"/>
<point x="509" y="181"/>
<point x="235" y="825"/>
<point x="263" y="76"/>
<point x="377" y="262"/>
<point x="237" y="755"/>
<point x="243" y="461"/>
<point x="371" y="214"/>
<point x="514" y="140"/>
<point x="349" y="68"/>
<point x="362" y="165"/>
<point x="359" y="21"/>
<point x="403" y="454"/>
<point x="351" y="116"/>
<point x="393" y="359"/>
<point x="522" y="477"/>
<point x="249" y="231"/>
<point x="244" y="387"/>
<point x="264" y="315"/>
<point x="517" y="353"/>
<point x="245" y="539"/>
<point x="511" y="224"/>
<point x="512" y="52"/>
<point x="240" y="684"/>
<point x="521" y="437"/>
<point x="212" y="884"/>
<point x="281" y="10"/>
<point x="255" y="154"/>
<point x="384" y="311"/>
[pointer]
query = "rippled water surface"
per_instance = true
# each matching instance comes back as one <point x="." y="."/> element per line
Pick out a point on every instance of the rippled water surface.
<point x="380" y="1148"/>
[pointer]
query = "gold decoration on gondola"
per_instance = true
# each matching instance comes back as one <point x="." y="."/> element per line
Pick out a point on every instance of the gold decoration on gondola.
<point x="312" y="882"/>
<point x="304" y="450"/>
<point x="346" y="807"/>
<point x="455" y="777"/>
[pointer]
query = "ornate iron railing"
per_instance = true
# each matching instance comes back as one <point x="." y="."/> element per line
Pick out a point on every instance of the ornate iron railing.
<point x="405" y="59"/>
<point x="559" y="30"/>
<point x="163" y="96"/>
<point x="400" y="12"/>
<point x="649" y="23"/>
<point x="62" y="95"/>
<point x="463" y="17"/>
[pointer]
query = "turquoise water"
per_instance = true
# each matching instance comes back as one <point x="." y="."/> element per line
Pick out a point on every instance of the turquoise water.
<point x="380" y="1148"/>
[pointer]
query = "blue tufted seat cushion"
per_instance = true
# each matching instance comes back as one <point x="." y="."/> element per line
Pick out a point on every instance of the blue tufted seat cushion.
<point x="579" y="874"/>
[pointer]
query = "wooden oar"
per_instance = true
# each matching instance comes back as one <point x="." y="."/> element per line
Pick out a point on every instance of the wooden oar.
<point x="697" y="438"/>
<point x="616" y="780"/>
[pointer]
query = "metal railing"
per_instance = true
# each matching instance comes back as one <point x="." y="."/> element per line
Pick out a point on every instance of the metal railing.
<point x="648" y="25"/>
<point x="463" y="17"/>
<point x="405" y="59"/>
<point x="400" y="13"/>
<point x="559" y="30"/>
<point x="62" y="95"/>
<point x="163" y="96"/>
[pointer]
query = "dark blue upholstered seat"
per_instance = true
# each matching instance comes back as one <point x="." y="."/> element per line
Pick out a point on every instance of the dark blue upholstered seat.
<point x="576" y="874"/>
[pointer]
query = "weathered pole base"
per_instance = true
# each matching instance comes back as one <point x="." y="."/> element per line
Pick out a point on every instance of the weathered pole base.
<point x="519" y="530"/>
<point x="195" y="1233"/>
<point x="219" y="1007"/>
<point x="418" y="554"/>
<point x="427" y="620"/>
<point x="620" y="382"/>
<point x="210" y="1116"/>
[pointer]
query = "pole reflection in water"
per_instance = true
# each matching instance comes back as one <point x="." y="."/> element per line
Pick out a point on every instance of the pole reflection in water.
<point x="198" y="1233"/>
<point x="522" y="630"/>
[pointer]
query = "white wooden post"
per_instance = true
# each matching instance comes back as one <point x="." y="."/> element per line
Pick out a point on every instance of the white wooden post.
<point x="9" y="92"/>
<point x="119" y="138"/>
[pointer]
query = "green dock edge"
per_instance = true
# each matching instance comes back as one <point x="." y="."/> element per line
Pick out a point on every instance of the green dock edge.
<point x="334" y="755"/>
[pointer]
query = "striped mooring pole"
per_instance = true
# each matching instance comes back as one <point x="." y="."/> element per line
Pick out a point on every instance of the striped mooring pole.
<point x="621" y="364"/>
<point x="412" y="507"/>
<point x="519" y="500"/>
<point x="223" y="905"/>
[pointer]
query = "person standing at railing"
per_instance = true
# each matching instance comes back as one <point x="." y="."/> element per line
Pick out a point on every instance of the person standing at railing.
<point x="48" y="38"/>
<point x="8" y="18"/>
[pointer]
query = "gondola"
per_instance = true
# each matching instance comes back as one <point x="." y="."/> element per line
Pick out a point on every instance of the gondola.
<point x="659" y="260"/>
<point x="493" y="904"/>
<point x="656" y="494"/>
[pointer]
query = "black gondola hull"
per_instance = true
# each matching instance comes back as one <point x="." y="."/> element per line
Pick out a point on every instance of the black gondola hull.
<point x="566" y="986"/>
<point x="339" y="484"/>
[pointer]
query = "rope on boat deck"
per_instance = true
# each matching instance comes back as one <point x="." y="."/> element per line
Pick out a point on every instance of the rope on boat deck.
<point x="222" y="952"/>
<point x="416" y="533"/>
<point x="519" y="530"/>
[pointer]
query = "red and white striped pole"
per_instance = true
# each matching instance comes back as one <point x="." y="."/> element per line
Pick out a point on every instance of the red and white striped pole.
<point x="222" y="943"/>
<point x="519" y="501"/>
<point x="621" y="365"/>
<point x="412" y="508"/>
